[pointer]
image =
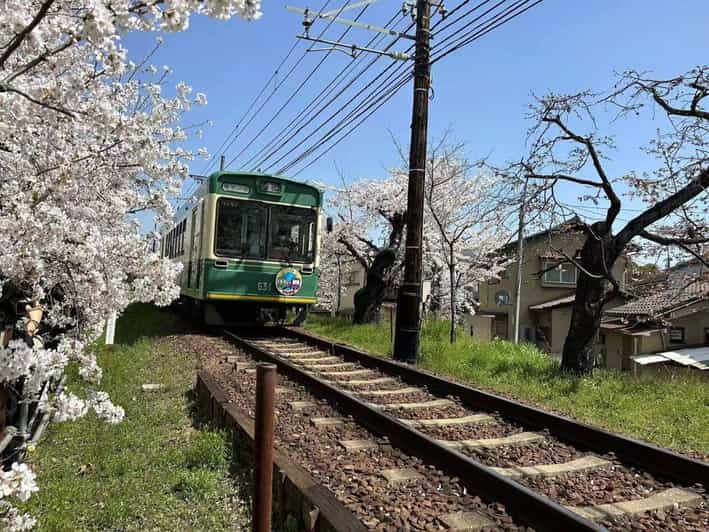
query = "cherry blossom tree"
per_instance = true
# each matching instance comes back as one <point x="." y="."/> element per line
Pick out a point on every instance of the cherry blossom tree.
<point x="569" y="153"/>
<point x="464" y="227"/>
<point x="370" y="228"/>
<point x="87" y="140"/>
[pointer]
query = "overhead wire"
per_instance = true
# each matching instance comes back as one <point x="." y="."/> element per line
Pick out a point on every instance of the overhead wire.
<point x="364" y="118"/>
<point x="235" y="130"/>
<point x="449" y="23"/>
<point x="251" y="106"/>
<point x="343" y="107"/>
<point x="304" y="82"/>
<point x="282" y="81"/>
<point x="376" y="96"/>
<point x="293" y="127"/>
<point x="367" y="110"/>
<point x="487" y="29"/>
<point x="383" y="86"/>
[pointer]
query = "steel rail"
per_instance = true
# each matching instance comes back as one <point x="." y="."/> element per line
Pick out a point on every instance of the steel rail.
<point x="645" y="455"/>
<point x="536" y="509"/>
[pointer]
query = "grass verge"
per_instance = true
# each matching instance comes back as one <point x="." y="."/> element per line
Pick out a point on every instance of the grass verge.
<point x="668" y="411"/>
<point x="160" y="469"/>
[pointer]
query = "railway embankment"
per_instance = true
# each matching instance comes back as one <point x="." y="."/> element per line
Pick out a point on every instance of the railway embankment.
<point x="163" y="468"/>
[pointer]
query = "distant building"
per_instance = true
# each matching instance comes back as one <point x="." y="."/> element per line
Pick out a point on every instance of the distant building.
<point x="673" y="316"/>
<point x="547" y="294"/>
<point x="354" y="277"/>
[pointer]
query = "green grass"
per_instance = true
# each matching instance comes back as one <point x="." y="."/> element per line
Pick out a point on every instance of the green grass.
<point x="670" y="412"/>
<point x="160" y="469"/>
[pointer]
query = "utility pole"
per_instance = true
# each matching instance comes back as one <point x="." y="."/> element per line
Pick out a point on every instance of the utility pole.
<point x="520" y="257"/>
<point x="408" y="307"/>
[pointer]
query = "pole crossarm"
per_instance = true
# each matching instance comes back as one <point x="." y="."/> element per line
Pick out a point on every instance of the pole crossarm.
<point x="347" y="22"/>
<point x="354" y="48"/>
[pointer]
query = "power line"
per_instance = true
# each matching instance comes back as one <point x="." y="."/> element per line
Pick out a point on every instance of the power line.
<point x="280" y="83"/>
<point x="468" y="23"/>
<point x="362" y="116"/>
<point x="303" y="83"/>
<point x="450" y="14"/>
<point x="372" y="93"/>
<point x="333" y="115"/>
<point x="477" y="32"/>
<point x="251" y="106"/>
<point x="293" y="127"/>
<point x="384" y="100"/>
<point x="195" y="186"/>
<point x="490" y="27"/>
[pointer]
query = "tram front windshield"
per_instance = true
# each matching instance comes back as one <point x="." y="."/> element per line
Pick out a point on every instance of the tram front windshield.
<point x="241" y="229"/>
<point x="267" y="232"/>
<point x="292" y="234"/>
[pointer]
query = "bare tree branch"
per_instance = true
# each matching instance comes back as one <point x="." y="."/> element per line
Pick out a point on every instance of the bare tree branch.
<point x="662" y="208"/>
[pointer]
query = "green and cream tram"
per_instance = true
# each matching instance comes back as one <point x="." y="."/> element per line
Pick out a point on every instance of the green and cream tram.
<point x="249" y="246"/>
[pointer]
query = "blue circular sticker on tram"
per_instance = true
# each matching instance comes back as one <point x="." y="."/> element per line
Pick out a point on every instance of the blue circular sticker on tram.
<point x="288" y="281"/>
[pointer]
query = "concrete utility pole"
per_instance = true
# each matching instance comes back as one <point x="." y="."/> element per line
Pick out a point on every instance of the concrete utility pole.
<point x="520" y="257"/>
<point x="408" y="308"/>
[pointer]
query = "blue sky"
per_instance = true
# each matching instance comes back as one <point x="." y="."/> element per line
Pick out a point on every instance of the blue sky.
<point x="481" y="91"/>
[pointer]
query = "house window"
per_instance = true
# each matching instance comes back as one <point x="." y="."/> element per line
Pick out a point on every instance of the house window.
<point x="676" y="335"/>
<point x="564" y="273"/>
<point x="352" y="278"/>
<point x="706" y="335"/>
<point x="502" y="297"/>
<point x="527" y="334"/>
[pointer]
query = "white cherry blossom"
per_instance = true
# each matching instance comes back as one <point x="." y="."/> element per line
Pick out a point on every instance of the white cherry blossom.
<point x="88" y="139"/>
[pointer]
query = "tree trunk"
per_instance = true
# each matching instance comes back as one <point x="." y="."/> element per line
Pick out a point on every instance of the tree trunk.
<point x="368" y="299"/>
<point x="451" y="271"/>
<point x="587" y="310"/>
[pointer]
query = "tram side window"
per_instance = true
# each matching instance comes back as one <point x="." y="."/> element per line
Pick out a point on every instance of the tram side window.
<point x="292" y="234"/>
<point x="241" y="229"/>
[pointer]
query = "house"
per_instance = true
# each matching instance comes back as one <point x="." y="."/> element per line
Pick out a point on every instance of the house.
<point x="667" y="325"/>
<point x="354" y="277"/>
<point x="547" y="290"/>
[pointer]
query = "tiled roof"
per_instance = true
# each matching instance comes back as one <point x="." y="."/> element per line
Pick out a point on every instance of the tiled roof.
<point x="567" y="226"/>
<point x="663" y="300"/>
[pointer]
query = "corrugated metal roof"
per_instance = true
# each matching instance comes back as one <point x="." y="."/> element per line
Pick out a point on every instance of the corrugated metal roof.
<point x="553" y="303"/>
<point x="644" y="360"/>
<point x="696" y="357"/>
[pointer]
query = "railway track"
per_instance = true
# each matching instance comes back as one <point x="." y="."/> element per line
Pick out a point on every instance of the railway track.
<point x="548" y="471"/>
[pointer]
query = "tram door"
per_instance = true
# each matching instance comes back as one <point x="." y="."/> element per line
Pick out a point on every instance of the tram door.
<point x="194" y="267"/>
